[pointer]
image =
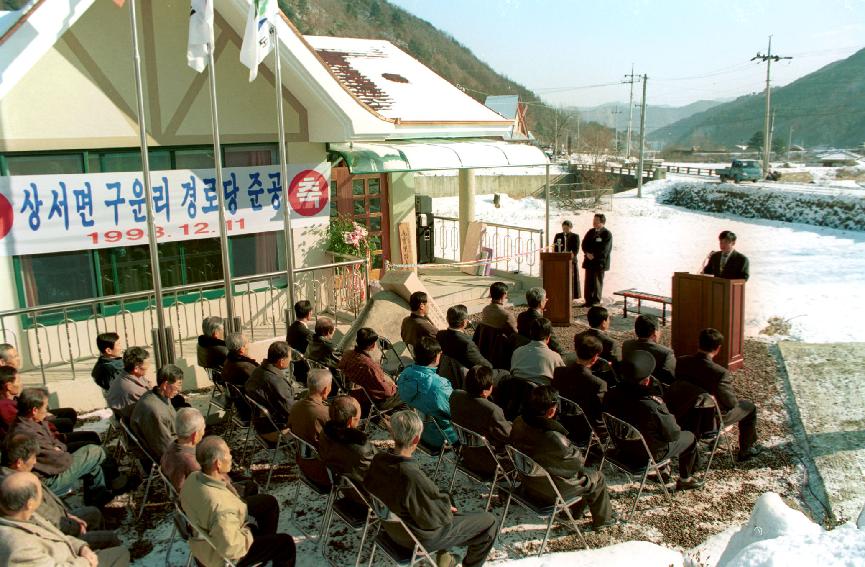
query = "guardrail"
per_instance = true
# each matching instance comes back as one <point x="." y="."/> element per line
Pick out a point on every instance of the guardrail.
<point x="513" y="248"/>
<point x="647" y="170"/>
<point x="64" y="334"/>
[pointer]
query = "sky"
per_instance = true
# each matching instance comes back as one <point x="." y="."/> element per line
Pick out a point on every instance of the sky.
<point x="690" y="50"/>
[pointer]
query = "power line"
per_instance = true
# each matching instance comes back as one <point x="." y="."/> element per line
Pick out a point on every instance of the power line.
<point x="768" y="58"/>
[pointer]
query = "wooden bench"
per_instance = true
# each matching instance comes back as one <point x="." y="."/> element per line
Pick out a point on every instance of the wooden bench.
<point x="642" y="296"/>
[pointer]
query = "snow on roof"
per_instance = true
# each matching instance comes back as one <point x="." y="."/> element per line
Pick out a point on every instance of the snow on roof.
<point x="838" y="155"/>
<point x="506" y="105"/>
<point x="396" y="85"/>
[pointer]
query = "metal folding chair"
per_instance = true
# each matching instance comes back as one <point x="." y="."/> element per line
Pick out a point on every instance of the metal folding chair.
<point x="307" y="455"/>
<point x="471" y="441"/>
<point x="138" y="453"/>
<point x="351" y="505"/>
<point x="570" y="412"/>
<point x="218" y="391"/>
<point x="236" y="421"/>
<point x="620" y="434"/>
<point x="374" y="416"/>
<point x="715" y="436"/>
<point x="398" y="554"/>
<point x="526" y="468"/>
<point x="437" y="453"/>
<point x="282" y="440"/>
<point x="197" y="534"/>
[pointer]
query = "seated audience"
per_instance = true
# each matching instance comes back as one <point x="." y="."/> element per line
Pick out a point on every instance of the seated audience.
<point x="269" y="387"/>
<point x="237" y="370"/>
<point x="152" y="419"/>
<point x="537" y="434"/>
<point x="397" y="480"/>
<point x="495" y="315"/>
<point x="417" y="325"/>
<point x="599" y="320"/>
<point x="215" y="509"/>
<point x="126" y="389"/>
<point x="26" y="538"/>
<point x="646" y="329"/>
<point x="359" y="368"/>
<point x="473" y="410"/>
<point x="321" y="348"/>
<point x="536" y="299"/>
<point x="420" y="387"/>
<point x="211" y="350"/>
<point x="178" y="461"/>
<point x="535" y="360"/>
<point x="308" y="416"/>
<point x="299" y="336"/>
<point x="342" y="446"/>
<point x="637" y="401"/>
<point x="109" y="365"/>
<point x="700" y="369"/>
<point x="60" y="469"/>
<point x="577" y="383"/>
<point x="456" y="343"/>
<point x="84" y="522"/>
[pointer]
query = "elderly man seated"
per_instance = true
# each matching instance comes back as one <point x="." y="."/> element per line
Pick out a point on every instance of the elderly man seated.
<point x="422" y="388"/>
<point x="397" y="480"/>
<point x="342" y="446"/>
<point x="178" y="461"/>
<point x="359" y="368"/>
<point x="26" y="538"/>
<point x="211" y="350"/>
<point x="308" y="416"/>
<point x="153" y="416"/>
<point x="237" y="370"/>
<point x="535" y="361"/>
<point x="215" y="509"/>
<point x="269" y="387"/>
<point x="128" y="388"/>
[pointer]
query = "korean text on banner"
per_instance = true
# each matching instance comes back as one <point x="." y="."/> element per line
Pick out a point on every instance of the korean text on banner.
<point x="55" y="213"/>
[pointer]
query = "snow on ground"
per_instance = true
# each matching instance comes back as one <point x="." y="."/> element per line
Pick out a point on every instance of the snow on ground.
<point x="813" y="277"/>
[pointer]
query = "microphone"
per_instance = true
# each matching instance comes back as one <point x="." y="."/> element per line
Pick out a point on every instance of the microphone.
<point x="706" y="260"/>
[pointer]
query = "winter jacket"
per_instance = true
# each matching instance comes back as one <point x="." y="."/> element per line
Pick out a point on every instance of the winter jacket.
<point x="423" y="389"/>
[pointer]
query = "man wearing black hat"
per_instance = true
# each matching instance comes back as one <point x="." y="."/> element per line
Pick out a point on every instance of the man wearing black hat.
<point x="637" y="400"/>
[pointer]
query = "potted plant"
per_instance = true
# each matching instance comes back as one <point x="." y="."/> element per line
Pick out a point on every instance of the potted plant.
<point x="347" y="239"/>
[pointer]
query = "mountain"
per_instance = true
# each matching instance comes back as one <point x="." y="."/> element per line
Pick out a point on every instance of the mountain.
<point x="823" y="108"/>
<point x="378" y="19"/>
<point x="615" y="114"/>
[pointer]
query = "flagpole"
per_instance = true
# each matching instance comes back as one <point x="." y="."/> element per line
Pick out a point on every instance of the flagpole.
<point x="163" y="344"/>
<point x="220" y="191"/>
<point x="283" y="168"/>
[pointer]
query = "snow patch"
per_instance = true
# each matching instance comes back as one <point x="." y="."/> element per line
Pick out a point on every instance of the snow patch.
<point x="619" y="555"/>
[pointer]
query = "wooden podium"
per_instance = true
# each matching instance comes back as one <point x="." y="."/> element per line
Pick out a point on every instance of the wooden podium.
<point x="701" y="301"/>
<point x="558" y="280"/>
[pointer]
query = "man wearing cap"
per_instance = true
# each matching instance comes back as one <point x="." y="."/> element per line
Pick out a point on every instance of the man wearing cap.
<point x="727" y="263"/>
<point x="567" y="241"/>
<point x="637" y="400"/>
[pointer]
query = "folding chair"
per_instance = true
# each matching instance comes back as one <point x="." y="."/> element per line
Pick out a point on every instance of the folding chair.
<point x="351" y="505"/>
<point x="306" y="455"/>
<point x="572" y="416"/>
<point x="282" y="440"/>
<point x="197" y="534"/>
<point x="437" y="453"/>
<point x="398" y="554"/>
<point x="137" y="451"/>
<point x="714" y="436"/>
<point x="218" y="391"/>
<point x="237" y="422"/>
<point x="374" y="416"/>
<point x="623" y="434"/>
<point x="178" y="526"/>
<point x="471" y="441"/>
<point x="451" y="369"/>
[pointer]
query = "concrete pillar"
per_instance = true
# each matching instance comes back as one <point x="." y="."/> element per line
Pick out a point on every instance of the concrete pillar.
<point x="467" y="201"/>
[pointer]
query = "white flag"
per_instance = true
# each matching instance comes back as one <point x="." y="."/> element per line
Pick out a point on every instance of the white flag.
<point x="256" y="38"/>
<point x="200" y="33"/>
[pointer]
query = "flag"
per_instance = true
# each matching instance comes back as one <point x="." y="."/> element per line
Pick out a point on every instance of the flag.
<point x="256" y="38"/>
<point x="200" y="33"/>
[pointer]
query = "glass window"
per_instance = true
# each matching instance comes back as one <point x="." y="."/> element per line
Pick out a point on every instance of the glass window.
<point x="375" y="205"/>
<point x="202" y="260"/>
<point x="194" y="159"/>
<point x="55" y="278"/>
<point x="357" y="187"/>
<point x="45" y="164"/>
<point x="257" y="253"/>
<point x="247" y="156"/>
<point x="374" y="186"/>
<point x="130" y="160"/>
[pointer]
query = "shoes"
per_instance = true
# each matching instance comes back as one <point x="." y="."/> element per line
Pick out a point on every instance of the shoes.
<point x="98" y="497"/>
<point x="578" y="508"/>
<point x="666" y="477"/>
<point x="689" y="484"/>
<point x="586" y="305"/>
<point x="445" y="559"/>
<point x="749" y="453"/>
<point x="611" y="521"/>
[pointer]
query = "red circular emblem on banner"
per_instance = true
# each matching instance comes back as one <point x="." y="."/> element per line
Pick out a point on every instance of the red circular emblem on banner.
<point x="7" y="216"/>
<point x="308" y="192"/>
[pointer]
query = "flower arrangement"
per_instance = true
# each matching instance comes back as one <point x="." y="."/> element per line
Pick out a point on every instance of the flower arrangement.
<point x="345" y="236"/>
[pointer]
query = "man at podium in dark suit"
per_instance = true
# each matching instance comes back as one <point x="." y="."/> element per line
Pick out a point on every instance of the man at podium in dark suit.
<point x="727" y="263"/>
<point x="567" y="241"/>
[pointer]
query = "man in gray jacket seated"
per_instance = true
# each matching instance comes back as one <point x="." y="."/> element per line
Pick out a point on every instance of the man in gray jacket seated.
<point x="397" y="480"/>
<point x="29" y="540"/>
<point x="153" y="416"/>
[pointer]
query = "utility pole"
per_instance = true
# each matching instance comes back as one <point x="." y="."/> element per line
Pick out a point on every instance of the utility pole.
<point x="630" y="114"/>
<point x="789" y="140"/>
<point x="768" y="58"/>
<point x="642" y="140"/>
<point x="615" y="114"/>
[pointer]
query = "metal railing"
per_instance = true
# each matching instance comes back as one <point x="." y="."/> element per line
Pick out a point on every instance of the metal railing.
<point x="518" y="248"/>
<point x="62" y="336"/>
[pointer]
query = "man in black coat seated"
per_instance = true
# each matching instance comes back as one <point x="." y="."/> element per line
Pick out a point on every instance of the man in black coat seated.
<point x="343" y="447"/>
<point x="211" y="350"/>
<point x="599" y="320"/>
<point x="597" y="247"/>
<point x="536" y="299"/>
<point x="537" y="434"/>
<point x="646" y="329"/>
<point x="237" y="370"/>
<point x="727" y="263"/>
<point x="577" y="383"/>
<point x="109" y="365"/>
<point x="567" y="241"/>
<point x="397" y="480"/>
<point x="471" y="408"/>
<point x="321" y="348"/>
<point x="269" y="387"/>
<point x="637" y="401"/>
<point x="298" y="337"/>
<point x="457" y="344"/>
<point x="700" y="369"/>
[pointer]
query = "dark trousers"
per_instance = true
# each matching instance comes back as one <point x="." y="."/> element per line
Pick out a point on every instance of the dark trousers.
<point x="96" y="537"/>
<point x="265" y="509"/>
<point x="477" y="531"/>
<point x="76" y="439"/>
<point x="576" y="270"/>
<point x="63" y="419"/>
<point x="597" y="497"/>
<point x="685" y="447"/>
<point x="277" y="548"/>
<point x="745" y="414"/>
<point x="594" y="286"/>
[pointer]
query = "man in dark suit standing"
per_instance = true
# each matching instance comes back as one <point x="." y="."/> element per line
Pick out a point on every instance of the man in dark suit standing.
<point x="646" y="329"/>
<point x="700" y="370"/>
<point x="727" y="263"/>
<point x="597" y="247"/>
<point x="567" y="241"/>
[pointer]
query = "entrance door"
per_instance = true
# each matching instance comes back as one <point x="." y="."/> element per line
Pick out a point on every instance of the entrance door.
<point x="364" y="199"/>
